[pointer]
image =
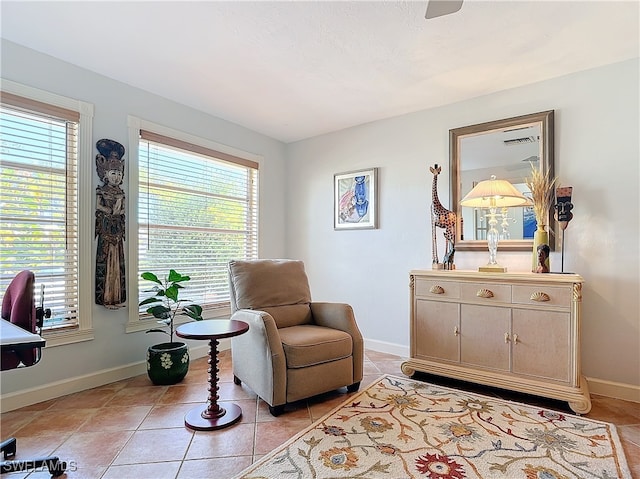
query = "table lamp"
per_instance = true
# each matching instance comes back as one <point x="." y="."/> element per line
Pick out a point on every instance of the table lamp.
<point x="493" y="194"/>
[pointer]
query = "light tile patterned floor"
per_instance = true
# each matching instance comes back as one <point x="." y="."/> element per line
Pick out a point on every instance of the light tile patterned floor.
<point x="132" y="429"/>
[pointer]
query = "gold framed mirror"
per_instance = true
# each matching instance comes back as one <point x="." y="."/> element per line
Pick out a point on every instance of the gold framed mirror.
<point x="505" y="148"/>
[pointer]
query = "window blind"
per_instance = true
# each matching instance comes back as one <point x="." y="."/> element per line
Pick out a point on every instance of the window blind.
<point x="38" y="202"/>
<point x="197" y="209"/>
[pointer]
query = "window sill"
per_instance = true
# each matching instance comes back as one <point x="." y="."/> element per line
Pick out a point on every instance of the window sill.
<point x="63" y="337"/>
<point x="146" y="324"/>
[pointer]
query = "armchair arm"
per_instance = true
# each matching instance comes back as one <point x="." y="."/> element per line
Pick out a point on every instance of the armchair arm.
<point x="337" y="316"/>
<point x="340" y="316"/>
<point x="258" y="356"/>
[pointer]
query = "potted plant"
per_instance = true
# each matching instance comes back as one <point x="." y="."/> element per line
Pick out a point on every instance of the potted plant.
<point x="168" y="363"/>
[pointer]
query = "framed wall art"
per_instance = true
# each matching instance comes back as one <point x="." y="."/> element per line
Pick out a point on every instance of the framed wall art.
<point x="355" y="199"/>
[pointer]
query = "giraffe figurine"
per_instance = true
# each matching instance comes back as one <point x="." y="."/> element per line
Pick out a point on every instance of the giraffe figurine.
<point x="441" y="218"/>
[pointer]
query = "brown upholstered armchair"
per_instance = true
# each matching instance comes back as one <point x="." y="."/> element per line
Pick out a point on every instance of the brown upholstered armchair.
<point x="295" y="348"/>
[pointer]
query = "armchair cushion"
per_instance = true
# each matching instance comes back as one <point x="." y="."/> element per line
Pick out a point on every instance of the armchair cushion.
<point x="309" y="345"/>
<point x="254" y="287"/>
<point x="290" y="315"/>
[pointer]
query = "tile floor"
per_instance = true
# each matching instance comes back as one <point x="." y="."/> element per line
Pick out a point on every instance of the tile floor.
<point x="132" y="429"/>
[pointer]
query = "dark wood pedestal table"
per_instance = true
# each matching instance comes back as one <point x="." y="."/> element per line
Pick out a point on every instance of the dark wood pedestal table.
<point x="212" y="416"/>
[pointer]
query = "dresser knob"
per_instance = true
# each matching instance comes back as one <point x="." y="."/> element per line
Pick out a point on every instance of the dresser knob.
<point x="540" y="297"/>
<point x="484" y="293"/>
<point x="435" y="289"/>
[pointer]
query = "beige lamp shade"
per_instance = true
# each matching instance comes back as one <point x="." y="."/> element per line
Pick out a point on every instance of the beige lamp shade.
<point x="494" y="193"/>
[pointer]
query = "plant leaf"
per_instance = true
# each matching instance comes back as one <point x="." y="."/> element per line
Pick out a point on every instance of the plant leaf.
<point x="151" y="277"/>
<point x="149" y="301"/>
<point x="160" y="312"/>
<point x="175" y="277"/>
<point x="172" y="293"/>
<point x="194" y="311"/>
<point x="155" y="289"/>
<point x="158" y="331"/>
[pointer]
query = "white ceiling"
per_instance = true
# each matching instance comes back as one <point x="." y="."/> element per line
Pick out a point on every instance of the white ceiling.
<point x="293" y="70"/>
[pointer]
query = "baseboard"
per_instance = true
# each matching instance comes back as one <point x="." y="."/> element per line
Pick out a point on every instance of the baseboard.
<point x="628" y="392"/>
<point x="56" y="389"/>
<point x="27" y="397"/>
<point x="385" y="347"/>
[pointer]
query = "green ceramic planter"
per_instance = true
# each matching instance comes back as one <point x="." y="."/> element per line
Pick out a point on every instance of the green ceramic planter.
<point x="167" y="363"/>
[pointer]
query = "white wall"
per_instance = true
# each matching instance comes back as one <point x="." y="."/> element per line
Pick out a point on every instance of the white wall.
<point x="596" y="152"/>
<point x="112" y="348"/>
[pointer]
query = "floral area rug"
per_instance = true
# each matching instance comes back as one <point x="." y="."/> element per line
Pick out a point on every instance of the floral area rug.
<point x="402" y="428"/>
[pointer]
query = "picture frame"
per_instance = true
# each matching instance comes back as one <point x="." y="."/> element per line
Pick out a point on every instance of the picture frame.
<point x="355" y="199"/>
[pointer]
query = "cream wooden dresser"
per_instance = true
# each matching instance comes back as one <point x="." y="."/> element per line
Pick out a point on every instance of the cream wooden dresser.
<point x="517" y="331"/>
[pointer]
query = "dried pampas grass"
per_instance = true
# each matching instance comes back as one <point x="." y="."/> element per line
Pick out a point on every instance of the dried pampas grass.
<point x="541" y="187"/>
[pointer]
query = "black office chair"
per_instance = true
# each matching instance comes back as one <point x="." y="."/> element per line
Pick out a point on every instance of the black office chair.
<point x="18" y="307"/>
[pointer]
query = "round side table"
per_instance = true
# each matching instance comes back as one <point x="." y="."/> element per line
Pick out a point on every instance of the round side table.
<point x="211" y="415"/>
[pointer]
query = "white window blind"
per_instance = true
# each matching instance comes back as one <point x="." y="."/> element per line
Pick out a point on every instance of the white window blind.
<point x="38" y="202"/>
<point x="197" y="209"/>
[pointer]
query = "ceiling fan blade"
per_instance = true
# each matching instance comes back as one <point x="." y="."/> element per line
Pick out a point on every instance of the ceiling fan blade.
<point x="437" y="8"/>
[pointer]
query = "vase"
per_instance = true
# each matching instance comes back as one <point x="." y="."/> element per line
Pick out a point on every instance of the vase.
<point x="540" y="236"/>
<point x="167" y="363"/>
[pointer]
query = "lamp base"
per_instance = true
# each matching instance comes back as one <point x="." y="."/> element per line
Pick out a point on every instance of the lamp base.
<point x="492" y="268"/>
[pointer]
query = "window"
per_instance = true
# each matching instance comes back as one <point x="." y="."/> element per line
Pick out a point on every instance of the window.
<point x="39" y="202"/>
<point x="197" y="208"/>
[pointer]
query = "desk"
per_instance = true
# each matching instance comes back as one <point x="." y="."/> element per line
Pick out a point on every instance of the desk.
<point x="13" y="337"/>
<point x="19" y="347"/>
<point x="211" y="415"/>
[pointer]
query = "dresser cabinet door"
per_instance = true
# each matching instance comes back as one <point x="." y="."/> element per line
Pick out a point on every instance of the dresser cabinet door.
<point x="485" y="336"/>
<point x="437" y="327"/>
<point x="542" y="345"/>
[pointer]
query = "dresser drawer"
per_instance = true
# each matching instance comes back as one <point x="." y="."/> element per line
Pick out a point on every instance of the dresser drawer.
<point x="489" y="292"/>
<point x="542" y="295"/>
<point x="436" y="288"/>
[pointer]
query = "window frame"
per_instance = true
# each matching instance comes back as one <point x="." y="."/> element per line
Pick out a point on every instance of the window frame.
<point x="84" y="329"/>
<point x="138" y="322"/>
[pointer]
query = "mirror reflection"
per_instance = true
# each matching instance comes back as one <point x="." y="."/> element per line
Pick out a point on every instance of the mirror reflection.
<point x="507" y="149"/>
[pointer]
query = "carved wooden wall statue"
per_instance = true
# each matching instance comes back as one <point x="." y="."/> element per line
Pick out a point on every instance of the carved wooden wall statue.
<point x="110" y="225"/>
